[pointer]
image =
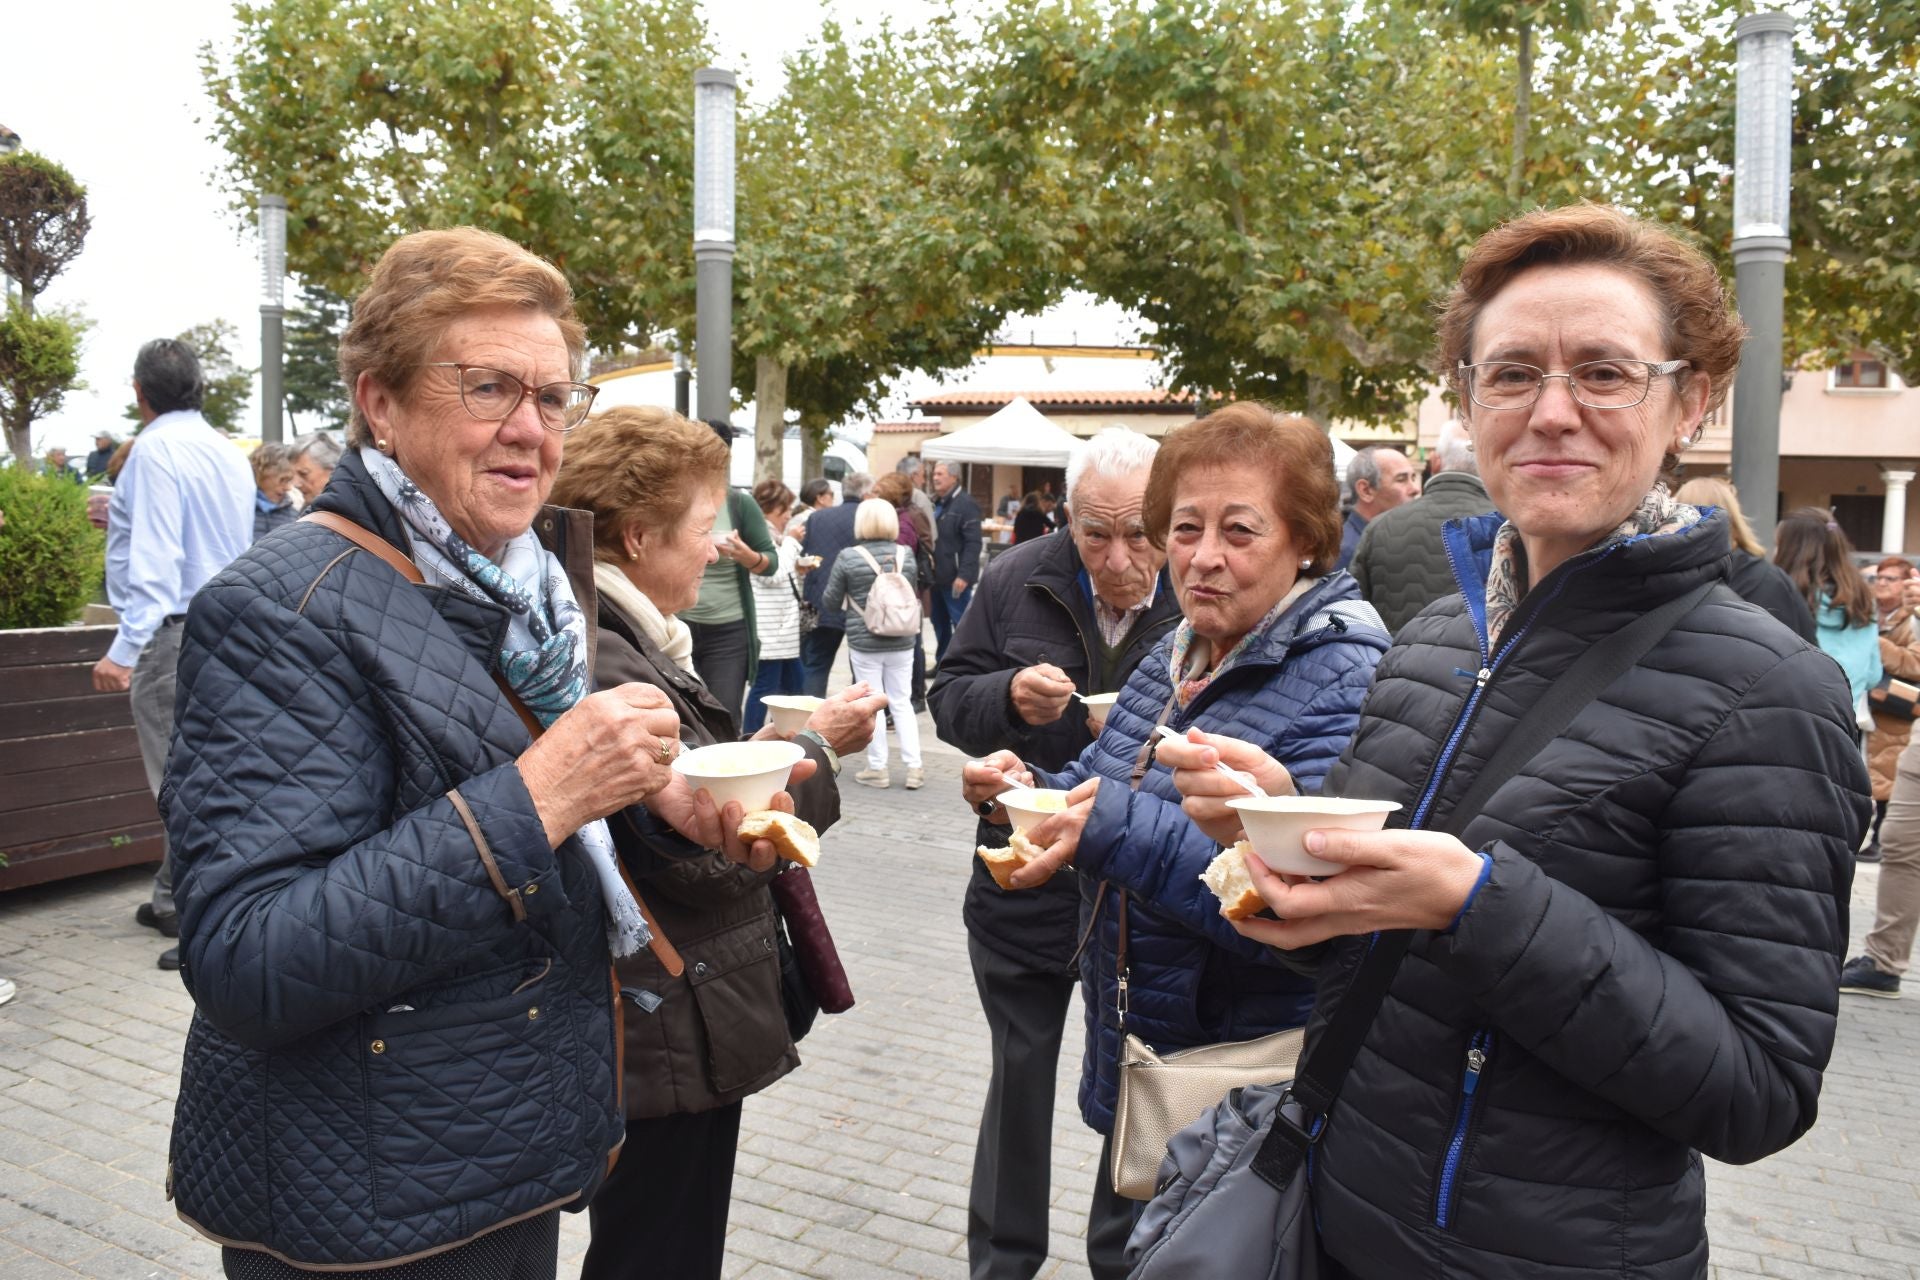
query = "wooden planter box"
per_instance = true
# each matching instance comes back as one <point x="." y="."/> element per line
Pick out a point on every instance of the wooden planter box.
<point x="73" y="793"/>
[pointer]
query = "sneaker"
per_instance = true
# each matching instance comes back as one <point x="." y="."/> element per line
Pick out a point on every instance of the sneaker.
<point x="916" y="779"/>
<point x="168" y="926"/>
<point x="7" y="990"/>
<point x="873" y="778"/>
<point x="170" y="958"/>
<point x="1869" y="854"/>
<point x="1862" y="977"/>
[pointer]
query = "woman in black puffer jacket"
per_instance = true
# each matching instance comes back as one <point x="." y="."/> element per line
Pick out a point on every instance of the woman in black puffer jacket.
<point x="1632" y="957"/>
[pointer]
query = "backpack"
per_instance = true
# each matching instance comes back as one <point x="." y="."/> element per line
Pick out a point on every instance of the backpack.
<point x="893" y="606"/>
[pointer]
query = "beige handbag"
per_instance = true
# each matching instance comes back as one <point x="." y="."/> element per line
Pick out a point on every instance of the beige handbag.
<point x="1161" y="1094"/>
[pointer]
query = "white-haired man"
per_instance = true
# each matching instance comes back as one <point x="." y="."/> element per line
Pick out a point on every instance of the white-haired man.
<point x="1379" y="478"/>
<point x="1054" y="616"/>
<point x="1401" y="564"/>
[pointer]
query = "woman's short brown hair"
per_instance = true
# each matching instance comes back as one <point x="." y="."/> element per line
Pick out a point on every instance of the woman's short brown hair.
<point x="1290" y="453"/>
<point x="771" y="495"/>
<point x="638" y="467"/>
<point x="426" y="281"/>
<point x="1701" y="324"/>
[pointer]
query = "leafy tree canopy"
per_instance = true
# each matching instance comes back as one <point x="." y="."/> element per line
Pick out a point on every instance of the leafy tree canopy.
<point x="39" y="364"/>
<point x="567" y="128"/>
<point x="43" y="220"/>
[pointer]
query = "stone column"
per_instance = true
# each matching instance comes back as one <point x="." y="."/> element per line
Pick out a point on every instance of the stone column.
<point x="1893" y="525"/>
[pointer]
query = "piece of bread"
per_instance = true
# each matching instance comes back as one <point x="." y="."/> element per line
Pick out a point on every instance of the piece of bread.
<point x="1002" y="863"/>
<point x="791" y="838"/>
<point x="1227" y="876"/>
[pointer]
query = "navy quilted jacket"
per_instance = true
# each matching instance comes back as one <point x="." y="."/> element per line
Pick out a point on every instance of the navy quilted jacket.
<point x="1296" y="692"/>
<point x="1650" y="971"/>
<point x="403" y="1032"/>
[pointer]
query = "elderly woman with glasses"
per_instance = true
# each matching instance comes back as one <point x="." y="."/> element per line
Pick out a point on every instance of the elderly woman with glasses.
<point x="1628" y="958"/>
<point x="388" y="801"/>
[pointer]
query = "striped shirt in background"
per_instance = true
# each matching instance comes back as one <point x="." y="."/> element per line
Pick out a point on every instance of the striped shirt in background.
<point x="776" y="608"/>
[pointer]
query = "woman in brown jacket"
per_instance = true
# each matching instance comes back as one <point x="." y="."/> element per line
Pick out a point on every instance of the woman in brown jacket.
<point x="697" y="1044"/>
<point x="1897" y="593"/>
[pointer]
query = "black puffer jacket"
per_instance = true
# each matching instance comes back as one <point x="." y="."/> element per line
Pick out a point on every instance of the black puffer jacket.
<point x="1649" y="973"/>
<point x="1034" y="606"/>
<point x="1401" y="565"/>
<point x="403" y="1030"/>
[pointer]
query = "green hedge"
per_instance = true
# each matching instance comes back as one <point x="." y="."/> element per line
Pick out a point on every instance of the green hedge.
<point x="51" y="558"/>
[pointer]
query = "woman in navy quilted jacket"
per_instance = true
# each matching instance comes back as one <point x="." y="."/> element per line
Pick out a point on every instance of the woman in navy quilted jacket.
<point x="1630" y="958"/>
<point x="1277" y="646"/>
<point x="387" y="806"/>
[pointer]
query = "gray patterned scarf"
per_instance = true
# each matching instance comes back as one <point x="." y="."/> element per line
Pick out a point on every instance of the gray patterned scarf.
<point x="1658" y="512"/>
<point x="544" y="657"/>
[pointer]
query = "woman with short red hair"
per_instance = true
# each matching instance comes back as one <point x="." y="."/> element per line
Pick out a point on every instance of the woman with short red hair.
<point x="1628" y="958"/>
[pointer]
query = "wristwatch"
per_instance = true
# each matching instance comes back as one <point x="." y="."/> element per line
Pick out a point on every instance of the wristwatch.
<point x="833" y="757"/>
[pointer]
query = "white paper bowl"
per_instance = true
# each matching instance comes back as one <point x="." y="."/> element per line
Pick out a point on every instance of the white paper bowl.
<point x="1028" y="807"/>
<point x="790" y="711"/>
<point x="751" y="773"/>
<point x="1277" y="826"/>
<point x="1101" y="703"/>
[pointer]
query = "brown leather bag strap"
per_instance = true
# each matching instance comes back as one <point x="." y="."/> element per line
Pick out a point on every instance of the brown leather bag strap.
<point x="397" y="560"/>
<point x="367" y="540"/>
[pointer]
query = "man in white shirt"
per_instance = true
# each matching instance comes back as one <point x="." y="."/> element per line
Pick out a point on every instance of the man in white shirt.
<point x="181" y="510"/>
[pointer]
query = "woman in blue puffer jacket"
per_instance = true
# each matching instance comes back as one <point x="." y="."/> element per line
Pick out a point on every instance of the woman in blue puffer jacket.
<point x="1277" y="646"/>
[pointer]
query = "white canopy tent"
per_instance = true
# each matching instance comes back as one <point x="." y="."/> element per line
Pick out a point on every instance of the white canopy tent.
<point x="1017" y="436"/>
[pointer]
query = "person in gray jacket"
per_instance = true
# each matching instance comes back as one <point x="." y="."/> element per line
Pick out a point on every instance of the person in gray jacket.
<point x="881" y="662"/>
<point x="1401" y="563"/>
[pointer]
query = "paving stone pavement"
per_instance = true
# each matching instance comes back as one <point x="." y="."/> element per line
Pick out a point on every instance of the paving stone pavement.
<point x="857" y="1164"/>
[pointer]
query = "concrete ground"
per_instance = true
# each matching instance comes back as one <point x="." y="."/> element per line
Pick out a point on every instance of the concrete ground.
<point x="857" y="1164"/>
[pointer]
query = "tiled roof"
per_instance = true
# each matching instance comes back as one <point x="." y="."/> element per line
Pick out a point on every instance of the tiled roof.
<point x="1153" y="398"/>
<point x="920" y="425"/>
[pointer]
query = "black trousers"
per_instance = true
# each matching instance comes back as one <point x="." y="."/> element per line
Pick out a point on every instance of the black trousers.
<point x="720" y="660"/>
<point x="664" y="1211"/>
<point x="1026" y="1012"/>
<point x="1110" y="1220"/>
<point x="528" y="1250"/>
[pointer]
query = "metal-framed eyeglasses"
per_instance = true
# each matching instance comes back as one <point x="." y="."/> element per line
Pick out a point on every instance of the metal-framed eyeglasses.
<point x="1597" y="384"/>
<point x="491" y="395"/>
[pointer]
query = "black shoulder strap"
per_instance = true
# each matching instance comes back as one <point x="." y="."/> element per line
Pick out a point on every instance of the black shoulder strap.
<point x="1324" y="1069"/>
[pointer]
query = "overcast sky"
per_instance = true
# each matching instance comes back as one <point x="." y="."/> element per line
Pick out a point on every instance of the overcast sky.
<point x="111" y="89"/>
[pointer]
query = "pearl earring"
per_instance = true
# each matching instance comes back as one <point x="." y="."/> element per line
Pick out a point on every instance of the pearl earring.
<point x="1469" y="446"/>
<point x="1307" y="563"/>
<point x="381" y="445"/>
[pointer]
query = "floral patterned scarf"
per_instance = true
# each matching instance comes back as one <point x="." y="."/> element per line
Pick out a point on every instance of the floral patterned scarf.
<point x="1657" y="513"/>
<point x="1187" y="663"/>
<point x="544" y="658"/>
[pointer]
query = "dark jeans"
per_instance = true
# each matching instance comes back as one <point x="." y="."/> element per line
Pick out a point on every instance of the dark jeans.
<point x="663" y="1213"/>
<point x="919" y="679"/>
<point x="947" y="609"/>
<point x="720" y="660"/>
<point x="818" y="648"/>
<point x="1026" y="1012"/>
<point x="777" y="676"/>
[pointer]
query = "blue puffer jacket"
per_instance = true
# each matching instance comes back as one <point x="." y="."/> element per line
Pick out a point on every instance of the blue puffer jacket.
<point x="1296" y="692"/>
<point x="403" y="1032"/>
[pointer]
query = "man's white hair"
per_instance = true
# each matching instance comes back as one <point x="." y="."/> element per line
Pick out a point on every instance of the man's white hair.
<point x="1114" y="452"/>
<point x="1455" y="448"/>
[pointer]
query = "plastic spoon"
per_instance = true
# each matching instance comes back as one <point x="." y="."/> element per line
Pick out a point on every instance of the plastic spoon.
<point x="1239" y="780"/>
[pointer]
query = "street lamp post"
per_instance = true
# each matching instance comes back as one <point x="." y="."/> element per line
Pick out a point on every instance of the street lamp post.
<point x="273" y="297"/>
<point x="9" y="143"/>
<point x="1762" y="176"/>
<point x="713" y="183"/>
